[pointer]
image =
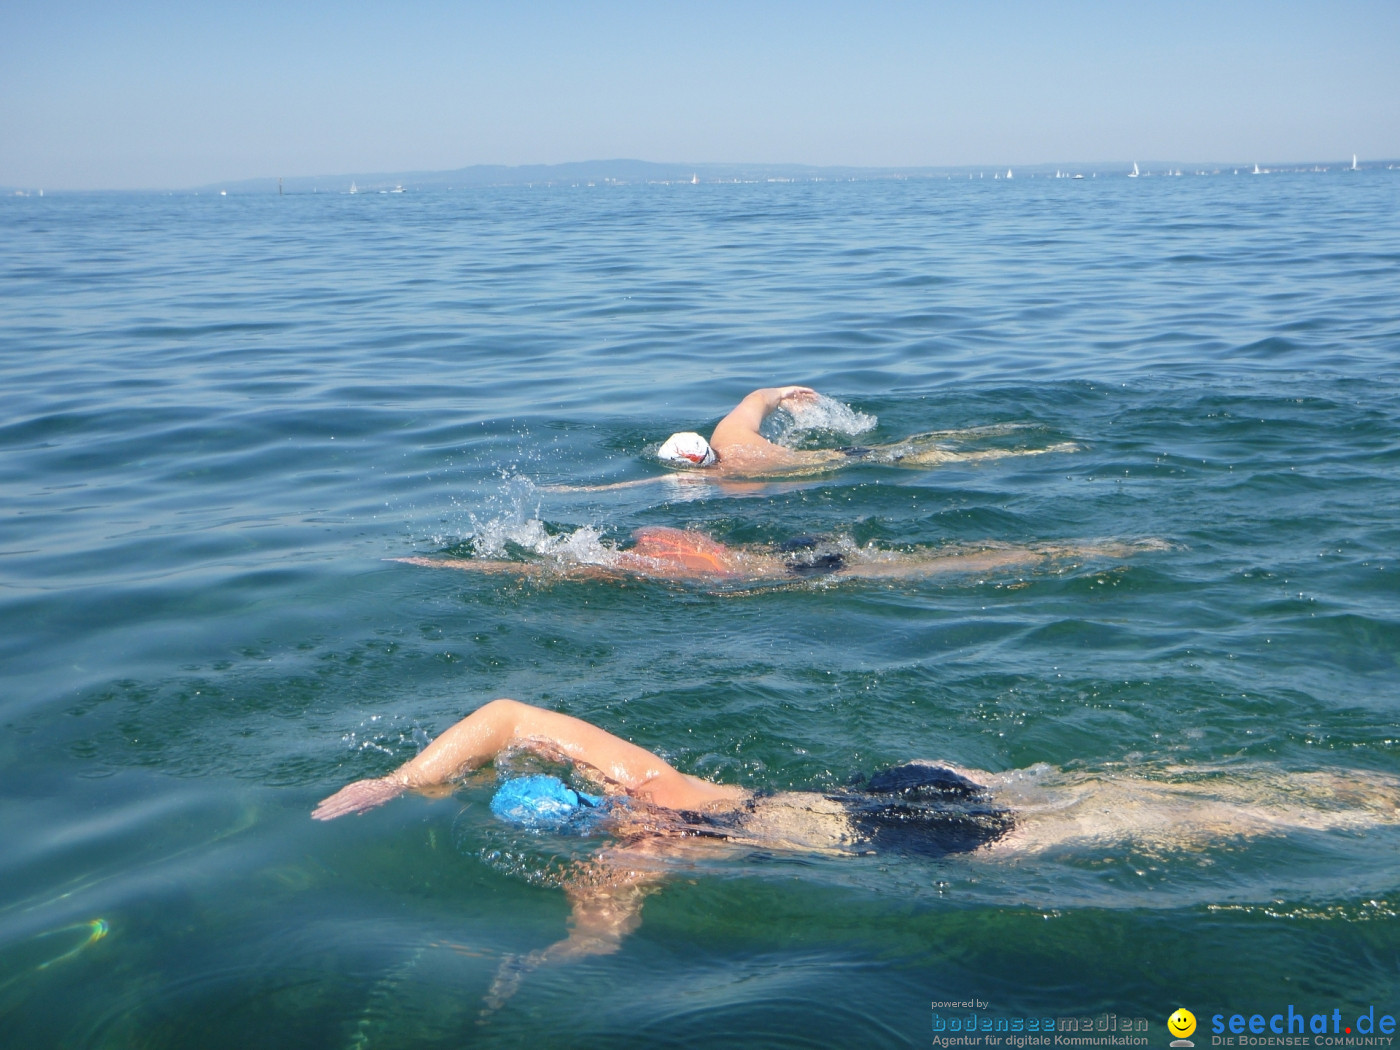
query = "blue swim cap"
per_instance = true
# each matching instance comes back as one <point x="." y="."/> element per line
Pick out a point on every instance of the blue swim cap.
<point x="540" y="802"/>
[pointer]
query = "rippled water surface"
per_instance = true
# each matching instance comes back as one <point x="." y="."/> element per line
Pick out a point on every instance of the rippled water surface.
<point x="223" y="415"/>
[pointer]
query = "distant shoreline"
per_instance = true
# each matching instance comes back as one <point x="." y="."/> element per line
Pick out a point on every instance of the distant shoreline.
<point x="637" y="172"/>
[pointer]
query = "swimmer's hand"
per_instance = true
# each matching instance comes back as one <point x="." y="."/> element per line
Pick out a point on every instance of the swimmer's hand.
<point x="358" y="797"/>
<point x="801" y="394"/>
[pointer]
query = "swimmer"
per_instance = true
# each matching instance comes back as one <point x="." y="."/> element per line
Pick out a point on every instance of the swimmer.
<point x="736" y="449"/>
<point x="654" y="813"/>
<point x="684" y="555"/>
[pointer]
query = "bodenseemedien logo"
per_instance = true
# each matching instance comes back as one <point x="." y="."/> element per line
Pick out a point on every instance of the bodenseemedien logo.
<point x="1181" y="1024"/>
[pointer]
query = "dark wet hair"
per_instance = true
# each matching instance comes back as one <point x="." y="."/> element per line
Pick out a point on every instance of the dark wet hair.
<point x="927" y="810"/>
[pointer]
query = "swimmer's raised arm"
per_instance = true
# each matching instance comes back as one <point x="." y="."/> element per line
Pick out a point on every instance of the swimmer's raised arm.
<point x="740" y="427"/>
<point x="503" y="725"/>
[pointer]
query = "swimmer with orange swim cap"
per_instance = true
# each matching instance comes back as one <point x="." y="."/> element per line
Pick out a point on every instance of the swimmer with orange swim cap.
<point x="688" y="556"/>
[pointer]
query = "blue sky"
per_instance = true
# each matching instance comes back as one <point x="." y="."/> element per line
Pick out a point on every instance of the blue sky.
<point x="157" y="94"/>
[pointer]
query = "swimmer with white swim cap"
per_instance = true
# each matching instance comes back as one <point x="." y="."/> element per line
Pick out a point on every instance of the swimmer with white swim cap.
<point x="687" y="449"/>
<point x="736" y="449"/>
<point x="737" y="446"/>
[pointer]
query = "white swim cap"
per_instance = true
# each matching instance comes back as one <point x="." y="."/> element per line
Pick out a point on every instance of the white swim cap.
<point x="688" y="449"/>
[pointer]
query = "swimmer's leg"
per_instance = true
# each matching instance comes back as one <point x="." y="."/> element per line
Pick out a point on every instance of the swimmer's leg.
<point x="1078" y="811"/>
<point x="916" y="565"/>
<point x="973" y="433"/>
<point x="905" y="454"/>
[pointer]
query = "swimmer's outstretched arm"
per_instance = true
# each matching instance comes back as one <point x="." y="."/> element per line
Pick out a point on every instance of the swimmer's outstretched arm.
<point x="605" y="906"/>
<point x="503" y="725"/>
<point x="516" y="568"/>
<point x="613" y="486"/>
<point x="483" y="565"/>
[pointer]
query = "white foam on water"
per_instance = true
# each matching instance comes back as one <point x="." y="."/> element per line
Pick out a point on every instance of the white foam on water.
<point x="500" y="538"/>
<point x="797" y="419"/>
<point x="515" y="526"/>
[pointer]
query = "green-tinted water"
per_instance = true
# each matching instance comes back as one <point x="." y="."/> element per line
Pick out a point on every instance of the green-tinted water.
<point x="222" y="416"/>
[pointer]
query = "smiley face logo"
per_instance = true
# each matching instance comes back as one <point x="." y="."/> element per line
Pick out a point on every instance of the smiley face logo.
<point x="1182" y="1023"/>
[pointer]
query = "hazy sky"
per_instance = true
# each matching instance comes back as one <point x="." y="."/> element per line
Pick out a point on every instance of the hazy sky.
<point x="146" y="93"/>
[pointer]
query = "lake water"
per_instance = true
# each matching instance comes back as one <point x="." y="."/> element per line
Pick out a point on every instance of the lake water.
<point x="222" y="415"/>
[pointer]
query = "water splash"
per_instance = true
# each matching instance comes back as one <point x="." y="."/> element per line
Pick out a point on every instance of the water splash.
<point x="510" y="526"/>
<point x="500" y="539"/>
<point x="825" y="415"/>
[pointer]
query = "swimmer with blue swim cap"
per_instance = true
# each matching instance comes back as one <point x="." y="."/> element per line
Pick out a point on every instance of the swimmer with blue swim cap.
<point x="543" y="803"/>
<point x="643" y="803"/>
<point x="647" y="809"/>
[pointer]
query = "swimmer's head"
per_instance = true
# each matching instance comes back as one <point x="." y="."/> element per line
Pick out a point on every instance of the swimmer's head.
<point x="687" y="449"/>
<point x="541" y="803"/>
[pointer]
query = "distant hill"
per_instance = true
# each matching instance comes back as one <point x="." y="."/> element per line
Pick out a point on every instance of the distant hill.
<point x="604" y="172"/>
<point x="577" y="173"/>
<point x="633" y="172"/>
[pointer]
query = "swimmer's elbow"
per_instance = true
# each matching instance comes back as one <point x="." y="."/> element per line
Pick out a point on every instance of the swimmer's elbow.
<point x="505" y="709"/>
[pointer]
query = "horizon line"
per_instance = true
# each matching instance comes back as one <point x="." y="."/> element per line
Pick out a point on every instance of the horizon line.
<point x="712" y="168"/>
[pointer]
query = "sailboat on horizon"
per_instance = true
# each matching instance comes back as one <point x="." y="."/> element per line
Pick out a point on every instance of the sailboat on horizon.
<point x="1134" y="173"/>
